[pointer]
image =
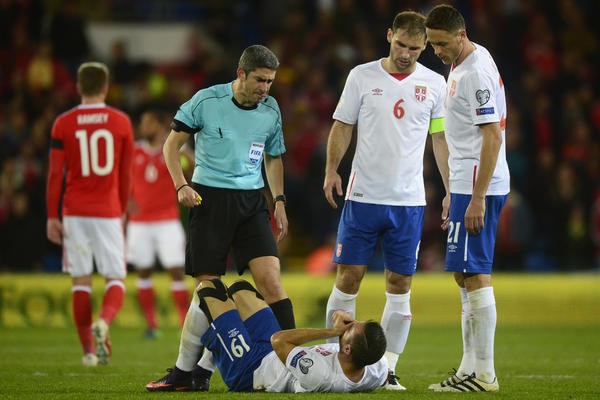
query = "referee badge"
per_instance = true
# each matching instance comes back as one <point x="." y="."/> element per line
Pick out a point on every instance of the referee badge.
<point x="256" y="151"/>
<point x="420" y="93"/>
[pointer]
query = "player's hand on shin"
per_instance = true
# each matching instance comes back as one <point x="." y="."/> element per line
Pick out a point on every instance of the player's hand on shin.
<point x="332" y="180"/>
<point x="341" y="321"/>
<point x="54" y="230"/>
<point x="188" y="197"/>
<point x="281" y="220"/>
<point x="474" y="216"/>
<point x="445" y="211"/>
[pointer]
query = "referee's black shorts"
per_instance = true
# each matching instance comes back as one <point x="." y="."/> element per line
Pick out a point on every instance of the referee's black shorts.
<point x="227" y="219"/>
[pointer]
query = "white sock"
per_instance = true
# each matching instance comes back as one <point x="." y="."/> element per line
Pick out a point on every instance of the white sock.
<point x="467" y="365"/>
<point x="339" y="300"/>
<point x="190" y="344"/>
<point x="392" y="360"/>
<point x="207" y="361"/>
<point x="483" y="308"/>
<point x="395" y="322"/>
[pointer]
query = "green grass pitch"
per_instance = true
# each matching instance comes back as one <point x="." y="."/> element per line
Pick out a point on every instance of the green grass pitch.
<point x="547" y="340"/>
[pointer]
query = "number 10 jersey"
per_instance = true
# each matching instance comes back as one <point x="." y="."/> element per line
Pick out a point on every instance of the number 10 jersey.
<point x="95" y="143"/>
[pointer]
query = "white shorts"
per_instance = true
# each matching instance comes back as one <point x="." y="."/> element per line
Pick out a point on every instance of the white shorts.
<point x="89" y="239"/>
<point x="145" y="240"/>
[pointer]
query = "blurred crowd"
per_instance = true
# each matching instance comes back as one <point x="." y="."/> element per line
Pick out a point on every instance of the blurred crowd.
<point x="547" y="54"/>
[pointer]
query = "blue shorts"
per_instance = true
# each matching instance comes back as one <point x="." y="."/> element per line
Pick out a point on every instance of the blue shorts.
<point x="362" y="224"/>
<point x="472" y="253"/>
<point x="238" y="346"/>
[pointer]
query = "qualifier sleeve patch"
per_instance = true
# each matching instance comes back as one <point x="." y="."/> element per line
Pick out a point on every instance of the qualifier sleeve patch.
<point x="295" y="359"/>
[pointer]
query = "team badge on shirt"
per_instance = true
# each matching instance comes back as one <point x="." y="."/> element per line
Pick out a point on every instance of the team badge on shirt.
<point x="482" y="96"/>
<point x="452" y="88"/>
<point x="420" y="93"/>
<point x="150" y="173"/>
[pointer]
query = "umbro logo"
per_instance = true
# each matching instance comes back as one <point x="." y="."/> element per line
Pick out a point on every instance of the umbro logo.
<point x="377" y="92"/>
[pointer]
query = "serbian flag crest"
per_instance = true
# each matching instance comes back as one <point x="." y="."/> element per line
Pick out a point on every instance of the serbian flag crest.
<point x="420" y="93"/>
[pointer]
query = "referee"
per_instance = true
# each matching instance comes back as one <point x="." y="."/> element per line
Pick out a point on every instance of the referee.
<point x="235" y="126"/>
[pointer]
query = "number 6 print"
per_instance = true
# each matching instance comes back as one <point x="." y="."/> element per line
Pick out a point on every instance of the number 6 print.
<point x="398" y="110"/>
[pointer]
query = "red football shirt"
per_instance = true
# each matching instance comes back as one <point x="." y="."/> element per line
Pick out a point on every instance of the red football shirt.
<point x="153" y="191"/>
<point x="95" y="144"/>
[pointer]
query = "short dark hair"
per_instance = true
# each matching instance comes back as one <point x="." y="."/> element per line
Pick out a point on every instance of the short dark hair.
<point x="369" y="347"/>
<point x="258" y="56"/>
<point x="91" y="78"/>
<point x="446" y="18"/>
<point x="411" y="21"/>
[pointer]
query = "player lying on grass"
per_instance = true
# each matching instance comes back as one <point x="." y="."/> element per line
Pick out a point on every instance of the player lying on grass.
<point x="253" y="354"/>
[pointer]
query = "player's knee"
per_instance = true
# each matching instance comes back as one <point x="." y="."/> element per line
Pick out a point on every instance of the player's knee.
<point x="348" y="279"/>
<point x="208" y="290"/>
<point x="398" y="284"/>
<point x="270" y="287"/>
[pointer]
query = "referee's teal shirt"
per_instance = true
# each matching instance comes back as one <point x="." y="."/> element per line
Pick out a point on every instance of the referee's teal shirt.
<point x="230" y="138"/>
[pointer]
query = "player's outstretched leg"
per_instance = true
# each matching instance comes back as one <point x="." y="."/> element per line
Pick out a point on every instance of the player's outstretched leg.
<point x="209" y="301"/>
<point x="111" y="304"/>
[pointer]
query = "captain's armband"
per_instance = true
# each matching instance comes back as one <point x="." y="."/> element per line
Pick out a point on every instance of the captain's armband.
<point x="436" y="125"/>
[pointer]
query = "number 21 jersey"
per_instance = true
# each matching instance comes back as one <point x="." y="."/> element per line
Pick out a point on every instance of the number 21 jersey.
<point x="95" y="143"/>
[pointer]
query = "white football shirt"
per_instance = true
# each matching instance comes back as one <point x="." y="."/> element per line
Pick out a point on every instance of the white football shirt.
<point x="393" y="120"/>
<point x="475" y="96"/>
<point x="314" y="369"/>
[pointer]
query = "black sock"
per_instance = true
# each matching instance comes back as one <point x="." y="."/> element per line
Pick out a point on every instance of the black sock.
<point x="284" y="313"/>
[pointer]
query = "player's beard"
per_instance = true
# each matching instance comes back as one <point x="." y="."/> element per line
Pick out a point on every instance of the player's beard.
<point x="403" y="67"/>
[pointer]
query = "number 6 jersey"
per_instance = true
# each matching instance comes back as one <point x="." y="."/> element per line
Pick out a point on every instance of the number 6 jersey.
<point x="95" y="143"/>
<point x="394" y="117"/>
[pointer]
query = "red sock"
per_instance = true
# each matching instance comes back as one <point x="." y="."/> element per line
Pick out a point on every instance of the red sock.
<point x="181" y="297"/>
<point x="112" y="301"/>
<point x="145" y="294"/>
<point x="82" y="314"/>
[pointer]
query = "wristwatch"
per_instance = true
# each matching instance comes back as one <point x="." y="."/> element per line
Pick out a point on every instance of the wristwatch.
<point x="281" y="197"/>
